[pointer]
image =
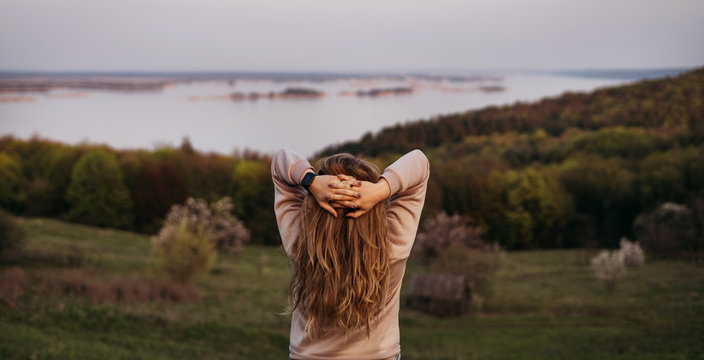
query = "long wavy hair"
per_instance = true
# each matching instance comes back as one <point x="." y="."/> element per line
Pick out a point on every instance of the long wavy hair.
<point x="341" y="265"/>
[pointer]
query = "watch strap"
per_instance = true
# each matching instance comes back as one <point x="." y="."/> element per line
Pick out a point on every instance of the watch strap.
<point x="308" y="179"/>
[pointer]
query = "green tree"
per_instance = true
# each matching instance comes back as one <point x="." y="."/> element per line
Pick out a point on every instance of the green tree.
<point x="253" y="200"/>
<point x="521" y="209"/>
<point x="97" y="193"/>
<point x="10" y="181"/>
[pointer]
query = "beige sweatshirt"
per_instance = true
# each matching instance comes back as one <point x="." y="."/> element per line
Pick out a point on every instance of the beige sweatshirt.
<point x="408" y="179"/>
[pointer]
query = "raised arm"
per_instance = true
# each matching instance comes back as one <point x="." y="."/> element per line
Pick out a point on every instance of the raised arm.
<point x="408" y="182"/>
<point x="287" y="167"/>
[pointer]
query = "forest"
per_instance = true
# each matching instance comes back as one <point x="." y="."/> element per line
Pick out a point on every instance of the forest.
<point x="575" y="170"/>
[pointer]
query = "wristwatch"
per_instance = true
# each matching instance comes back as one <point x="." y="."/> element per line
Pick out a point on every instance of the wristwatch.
<point x="307" y="180"/>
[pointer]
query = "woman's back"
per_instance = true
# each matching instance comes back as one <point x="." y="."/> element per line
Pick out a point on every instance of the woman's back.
<point x="407" y="182"/>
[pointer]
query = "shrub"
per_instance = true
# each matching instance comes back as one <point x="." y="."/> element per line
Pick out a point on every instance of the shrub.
<point x="449" y="245"/>
<point x="441" y="231"/>
<point x="608" y="267"/>
<point x="192" y="234"/>
<point x="12" y="235"/>
<point x="184" y="251"/>
<point x="229" y="233"/>
<point x="97" y="193"/>
<point x="668" y="231"/>
<point x="13" y="282"/>
<point x="633" y="255"/>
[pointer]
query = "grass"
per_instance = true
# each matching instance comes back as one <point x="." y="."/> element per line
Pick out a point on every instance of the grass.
<point x="544" y="305"/>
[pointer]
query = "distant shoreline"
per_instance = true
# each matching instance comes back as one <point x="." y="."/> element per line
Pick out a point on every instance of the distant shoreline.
<point x="21" y="82"/>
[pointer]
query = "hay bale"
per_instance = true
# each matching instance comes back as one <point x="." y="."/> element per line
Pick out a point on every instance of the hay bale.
<point x="439" y="294"/>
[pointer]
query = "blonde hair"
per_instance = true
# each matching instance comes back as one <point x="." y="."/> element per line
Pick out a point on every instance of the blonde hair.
<point x="341" y="265"/>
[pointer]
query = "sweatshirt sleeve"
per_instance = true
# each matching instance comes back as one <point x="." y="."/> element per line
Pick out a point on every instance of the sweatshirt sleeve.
<point x="408" y="180"/>
<point x="287" y="167"/>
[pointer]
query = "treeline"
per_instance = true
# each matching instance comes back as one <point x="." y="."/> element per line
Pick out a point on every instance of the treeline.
<point x="131" y="189"/>
<point x="675" y="104"/>
<point x="574" y="170"/>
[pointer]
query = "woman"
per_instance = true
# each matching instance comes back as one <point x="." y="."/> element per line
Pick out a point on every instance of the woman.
<point x="348" y="231"/>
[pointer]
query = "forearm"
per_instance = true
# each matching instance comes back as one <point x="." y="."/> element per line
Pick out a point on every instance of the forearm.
<point x="409" y="171"/>
<point x="381" y="190"/>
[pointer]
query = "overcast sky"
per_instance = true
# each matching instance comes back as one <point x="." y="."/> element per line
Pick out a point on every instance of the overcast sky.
<point x="359" y="35"/>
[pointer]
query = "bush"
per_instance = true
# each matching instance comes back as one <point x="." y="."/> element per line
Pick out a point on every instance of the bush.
<point x="13" y="282"/>
<point x="608" y="267"/>
<point x="441" y="231"/>
<point x="668" y="231"/>
<point x="449" y="245"/>
<point x="12" y="235"/>
<point x="192" y="234"/>
<point x="229" y="233"/>
<point x="633" y="255"/>
<point x="184" y="251"/>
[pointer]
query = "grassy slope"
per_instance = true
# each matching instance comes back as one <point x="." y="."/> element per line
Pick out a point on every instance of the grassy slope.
<point x="545" y="305"/>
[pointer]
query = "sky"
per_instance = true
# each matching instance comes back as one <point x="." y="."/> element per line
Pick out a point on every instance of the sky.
<point x="353" y="36"/>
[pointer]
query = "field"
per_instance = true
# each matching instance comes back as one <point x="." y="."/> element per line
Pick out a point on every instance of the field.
<point x="545" y="305"/>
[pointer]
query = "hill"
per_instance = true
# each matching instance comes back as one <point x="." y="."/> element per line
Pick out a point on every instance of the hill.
<point x="572" y="170"/>
<point x="673" y="103"/>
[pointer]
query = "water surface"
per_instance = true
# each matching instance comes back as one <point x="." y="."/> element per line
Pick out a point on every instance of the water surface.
<point x="149" y="119"/>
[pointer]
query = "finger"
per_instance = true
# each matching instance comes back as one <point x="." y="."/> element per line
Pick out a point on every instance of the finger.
<point x="347" y="192"/>
<point x="348" y="204"/>
<point x="328" y="208"/>
<point x="356" y="214"/>
<point x="343" y="184"/>
<point x="345" y="177"/>
<point x="339" y="197"/>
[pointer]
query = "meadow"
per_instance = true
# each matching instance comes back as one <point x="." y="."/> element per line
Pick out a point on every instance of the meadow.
<point x="545" y="304"/>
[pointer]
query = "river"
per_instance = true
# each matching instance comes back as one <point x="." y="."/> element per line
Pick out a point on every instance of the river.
<point x="201" y="111"/>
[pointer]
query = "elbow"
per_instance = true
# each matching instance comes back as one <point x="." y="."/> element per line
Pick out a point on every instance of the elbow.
<point x="425" y="164"/>
<point x="422" y="157"/>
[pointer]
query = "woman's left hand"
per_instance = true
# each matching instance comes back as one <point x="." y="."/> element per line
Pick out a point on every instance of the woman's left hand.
<point x="329" y="189"/>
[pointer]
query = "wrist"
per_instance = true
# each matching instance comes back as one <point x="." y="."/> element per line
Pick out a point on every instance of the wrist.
<point x="307" y="179"/>
<point x="383" y="189"/>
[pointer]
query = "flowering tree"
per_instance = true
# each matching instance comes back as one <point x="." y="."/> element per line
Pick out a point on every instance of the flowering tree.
<point x="609" y="266"/>
<point x="192" y="234"/>
<point x="442" y="231"/>
<point x="633" y="255"/>
<point x="229" y="233"/>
